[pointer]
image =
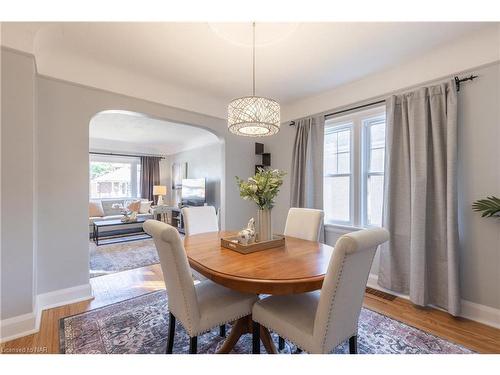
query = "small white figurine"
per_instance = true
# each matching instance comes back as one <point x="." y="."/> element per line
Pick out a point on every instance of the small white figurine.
<point x="247" y="236"/>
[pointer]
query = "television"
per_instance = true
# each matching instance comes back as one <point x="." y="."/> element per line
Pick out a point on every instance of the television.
<point x="193" y="192"/>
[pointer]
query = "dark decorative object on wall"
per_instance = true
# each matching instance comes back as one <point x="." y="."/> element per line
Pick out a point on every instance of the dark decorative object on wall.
<point x="266" y="157"/>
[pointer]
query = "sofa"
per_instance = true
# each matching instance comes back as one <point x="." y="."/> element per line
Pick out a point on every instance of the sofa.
<point x="107" y="212"/>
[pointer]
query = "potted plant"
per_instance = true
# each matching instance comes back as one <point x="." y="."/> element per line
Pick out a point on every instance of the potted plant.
<point x="262" y="189"/>
<point x="489" y="207"/>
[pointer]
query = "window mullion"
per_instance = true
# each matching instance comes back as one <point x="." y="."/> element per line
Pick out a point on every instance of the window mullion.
<point x="355" y="171"/>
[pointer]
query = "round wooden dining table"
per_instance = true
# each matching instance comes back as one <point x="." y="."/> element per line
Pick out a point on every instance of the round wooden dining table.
<point x="297" y="267"/>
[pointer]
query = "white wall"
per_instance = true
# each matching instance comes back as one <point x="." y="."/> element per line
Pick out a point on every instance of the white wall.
<point x="280" y="146"/>
<point x="476" y="49"/>
<point x="479" y="176"/>
<point x="63" y="113"/>
<point x="203" y="162"/>
<point x="18" y="196"/>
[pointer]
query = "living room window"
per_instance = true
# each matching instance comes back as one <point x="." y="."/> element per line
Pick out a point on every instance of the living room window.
<point x="354" y="156"/>
<point x="113" y="176"/>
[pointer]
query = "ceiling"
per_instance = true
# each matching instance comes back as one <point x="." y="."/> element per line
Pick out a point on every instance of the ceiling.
<point x="203" y="65"/>
<point x="121" y="131"/>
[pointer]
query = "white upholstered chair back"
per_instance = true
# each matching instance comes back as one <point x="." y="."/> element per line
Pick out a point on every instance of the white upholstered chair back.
<point x="304" y="223"/>
<point x="200" y="220"/>
<point x="182" y="300"/>
<point x="344" y="286"/>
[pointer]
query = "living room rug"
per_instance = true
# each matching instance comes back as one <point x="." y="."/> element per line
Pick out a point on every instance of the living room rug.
<point x="106" y="259"/>
<point x="139" y="325"/>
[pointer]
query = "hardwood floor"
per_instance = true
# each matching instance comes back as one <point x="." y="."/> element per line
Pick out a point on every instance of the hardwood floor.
<point x="124" y="285"/>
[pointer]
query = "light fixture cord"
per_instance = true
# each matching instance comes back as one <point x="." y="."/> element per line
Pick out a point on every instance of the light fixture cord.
<point x="253" y="52"/>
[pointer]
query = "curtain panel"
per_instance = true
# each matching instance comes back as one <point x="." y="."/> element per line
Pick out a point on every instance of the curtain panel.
<point x="307" y="164"/>
<point x="150" y="175"/>
<point x="420" y="197"/>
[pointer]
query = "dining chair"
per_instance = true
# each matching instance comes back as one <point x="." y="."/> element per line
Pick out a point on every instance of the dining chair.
<point x="317" y="322"/>
<point x="200" y="219"/>
<point x="304" y="223"/>
<point x="200" y="307"/>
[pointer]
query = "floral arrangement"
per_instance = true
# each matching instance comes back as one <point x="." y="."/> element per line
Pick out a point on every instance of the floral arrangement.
<point x="262" y="188"/>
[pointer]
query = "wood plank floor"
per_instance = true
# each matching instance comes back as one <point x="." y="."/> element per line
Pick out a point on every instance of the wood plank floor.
<point x="124" y="285"/>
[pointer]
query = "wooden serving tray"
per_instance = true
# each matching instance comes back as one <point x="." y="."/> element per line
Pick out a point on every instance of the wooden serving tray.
<point x="232" y="244"/>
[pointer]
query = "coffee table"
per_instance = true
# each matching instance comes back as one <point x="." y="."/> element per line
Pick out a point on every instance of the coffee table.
<point x="119" y="238"/>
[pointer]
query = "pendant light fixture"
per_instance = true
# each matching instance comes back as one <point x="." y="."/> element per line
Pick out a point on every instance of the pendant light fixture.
<point x="253" y="116"/>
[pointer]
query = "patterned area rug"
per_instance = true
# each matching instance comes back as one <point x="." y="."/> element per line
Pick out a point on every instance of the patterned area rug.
<point x="139" y="325"/>
<point x="106" y="259"/>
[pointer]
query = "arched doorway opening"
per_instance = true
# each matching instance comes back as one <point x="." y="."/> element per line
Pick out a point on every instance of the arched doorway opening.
<point x="133" y="160"/>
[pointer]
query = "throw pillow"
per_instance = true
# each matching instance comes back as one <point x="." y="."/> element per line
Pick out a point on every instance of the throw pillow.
<point x="95" y="209"/>
<point x="145" y="206"/>
<point x="134" y="206"/>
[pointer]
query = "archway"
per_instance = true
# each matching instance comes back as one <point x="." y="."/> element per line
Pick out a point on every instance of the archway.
<point x="119" y="143"/>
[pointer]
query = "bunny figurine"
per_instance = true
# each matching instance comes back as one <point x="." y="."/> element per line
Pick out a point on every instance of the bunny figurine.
<point x="247" y="236"/>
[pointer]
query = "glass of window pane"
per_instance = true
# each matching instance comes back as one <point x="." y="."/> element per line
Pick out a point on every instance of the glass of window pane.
<point x="344" y="141"/>
<point x="330" y="163"/>
<point x="375" y="197"/>
<point x="377" y="135"/>
<point x="336" y="197"/>
<point x="344" y="161"/>
<point x="377" y="160"/>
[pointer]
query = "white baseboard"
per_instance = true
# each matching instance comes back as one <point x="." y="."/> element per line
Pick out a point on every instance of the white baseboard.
<point x="470" y="310"/>
<point x="17" y="326"/>
<point x="481" y="313"/>
<point x="64" y="297"/>
<point x="27" y="324"/>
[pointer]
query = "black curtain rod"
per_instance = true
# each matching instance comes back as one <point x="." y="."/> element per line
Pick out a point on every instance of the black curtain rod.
<point x="128" y="155"/>
<point x="458" y="81"/>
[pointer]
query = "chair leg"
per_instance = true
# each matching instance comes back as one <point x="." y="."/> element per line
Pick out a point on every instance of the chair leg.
<point x="171" y="333"/>
<point x="256" y="338"/>
<point x="222" y="330"/>
<point x="281" y="343"/>
<point x="193" y="345"/>
<point x="353" y="344"/>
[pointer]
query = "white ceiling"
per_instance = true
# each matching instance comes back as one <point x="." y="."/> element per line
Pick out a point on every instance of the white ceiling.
<point x="120" y="131"/>
<point x="201" y="66"/>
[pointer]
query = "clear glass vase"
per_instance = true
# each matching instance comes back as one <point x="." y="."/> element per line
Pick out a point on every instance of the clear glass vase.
<point x="265" y="230"/>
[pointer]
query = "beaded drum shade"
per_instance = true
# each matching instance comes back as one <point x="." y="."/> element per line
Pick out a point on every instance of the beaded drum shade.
<point x="253" y="116"/>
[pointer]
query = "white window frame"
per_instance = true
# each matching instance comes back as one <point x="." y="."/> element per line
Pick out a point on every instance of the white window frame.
<point x="366" y="124"/>
<point x="338" y="127"/>
<point x="134" y="161"/>
<point x="359" y="122"/>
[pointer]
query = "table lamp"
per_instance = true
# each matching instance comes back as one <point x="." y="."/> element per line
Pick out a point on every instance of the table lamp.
<point x="160" y="191"/>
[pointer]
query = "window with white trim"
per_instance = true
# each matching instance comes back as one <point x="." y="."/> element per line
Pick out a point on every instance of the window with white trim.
<point x="113" y="176"/>
<point x="354" y="156"/>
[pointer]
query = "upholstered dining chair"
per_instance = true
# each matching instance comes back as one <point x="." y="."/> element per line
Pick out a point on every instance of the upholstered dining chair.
<point x="199" y="307"/>
<point x="200" y="220"/>
<point x="319" y="321"/>
<point x="304" y="223"/>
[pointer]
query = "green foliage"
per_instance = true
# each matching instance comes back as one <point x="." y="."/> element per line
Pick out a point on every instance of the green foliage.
<point x="98" y="169"/>
<point x="489" y="206"/>
<point x="262" y="188"/>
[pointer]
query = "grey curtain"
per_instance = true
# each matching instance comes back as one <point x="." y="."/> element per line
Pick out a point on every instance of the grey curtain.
<point x="150" y="175"/>
<point x="307" y="164"/>
<point x="420" y="211"/>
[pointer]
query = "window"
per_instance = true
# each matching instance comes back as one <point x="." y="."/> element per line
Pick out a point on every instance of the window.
<point x="337" y="183"/>
<point x="354" y="156"/>
<point x="114" y="176"/>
